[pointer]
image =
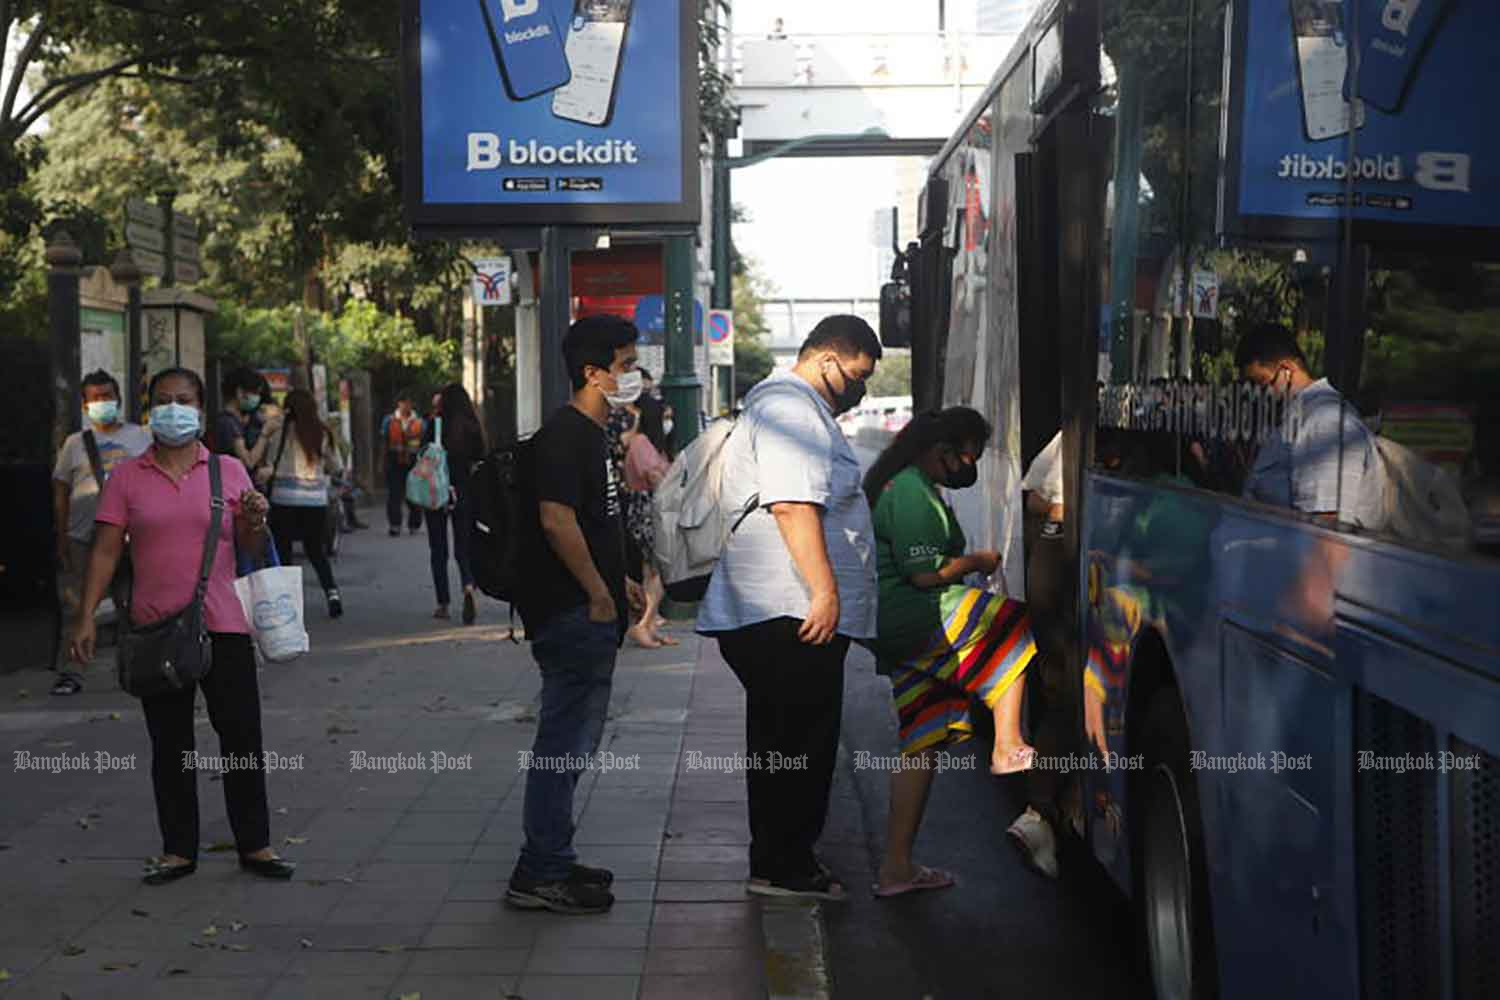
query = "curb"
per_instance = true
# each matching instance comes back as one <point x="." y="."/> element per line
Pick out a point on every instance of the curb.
<point x="796" y="951"/>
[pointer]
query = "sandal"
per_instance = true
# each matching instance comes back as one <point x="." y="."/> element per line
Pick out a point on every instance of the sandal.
<point x="925" y="878"/>
<point x="819" y="885"/>
<point x="67" y="683"/>
<point x="1022" y="758"/>
<point x="442" y="612"/>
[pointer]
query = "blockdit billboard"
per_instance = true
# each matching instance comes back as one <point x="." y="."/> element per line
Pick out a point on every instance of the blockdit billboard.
<point x="551" y="112"/>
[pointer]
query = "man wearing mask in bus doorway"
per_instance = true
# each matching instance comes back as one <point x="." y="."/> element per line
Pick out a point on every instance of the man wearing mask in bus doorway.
<point x="84" y="463"/>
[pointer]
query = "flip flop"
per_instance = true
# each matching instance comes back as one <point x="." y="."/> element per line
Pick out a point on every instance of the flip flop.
<point x="926" y="878"/>
<point x="1023" y="758"/>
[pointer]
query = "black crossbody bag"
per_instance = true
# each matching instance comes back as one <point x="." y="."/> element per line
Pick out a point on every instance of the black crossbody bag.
<point x="175" y="653"/>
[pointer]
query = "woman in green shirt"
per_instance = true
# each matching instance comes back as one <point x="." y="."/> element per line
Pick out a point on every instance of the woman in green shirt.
<point x="944" y="642"/>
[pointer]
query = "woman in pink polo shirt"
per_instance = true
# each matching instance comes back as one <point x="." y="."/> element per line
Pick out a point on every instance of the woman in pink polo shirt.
<point x="161" y="499"/>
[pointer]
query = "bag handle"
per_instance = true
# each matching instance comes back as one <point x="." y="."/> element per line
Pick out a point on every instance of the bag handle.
<point x="91" y="446"/>
<point x="211" y="539"/>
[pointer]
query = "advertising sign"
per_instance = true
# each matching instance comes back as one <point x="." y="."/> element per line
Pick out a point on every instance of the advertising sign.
<point x="1205" y="295"/>
<point x="492" y="281"/>
<point x="551" y="112"/>
<point x="1370" y="110"/>
<point x="720" y="337"/>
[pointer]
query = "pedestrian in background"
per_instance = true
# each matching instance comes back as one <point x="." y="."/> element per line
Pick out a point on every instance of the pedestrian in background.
<point x="646" y="464"/>
<point x="402" y="433"/>
<point x="795" y="583"/>
<point x="575" y="611"/>
<point x="265" y="408"/>
<point x="463" y="441"/>
<point x="161" y="499"/>
<point x="241" y="388"/>
<point x="304" y="461"/>
<point x="84" y="464"/>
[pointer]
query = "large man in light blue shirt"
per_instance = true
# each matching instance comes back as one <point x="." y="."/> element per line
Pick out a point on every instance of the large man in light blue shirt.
<point x="795" y="583"/>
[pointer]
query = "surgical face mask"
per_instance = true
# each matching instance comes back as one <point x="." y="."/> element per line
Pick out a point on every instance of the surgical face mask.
<point x="666" y="427"/>
<point x="962" y="477"/>
<point x="627" y="389"/>
<point x="850" y="396"/>
<point x="103" y="412"/>
<point x="250" y="403"/>
<point x="173" y="424"/>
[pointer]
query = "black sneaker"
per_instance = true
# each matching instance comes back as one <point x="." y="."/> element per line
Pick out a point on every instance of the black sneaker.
<point x="335" y="604"/>
<point x="395" y="532"/>
<point x="567" y="895"/>
<point x="592" y="876"/>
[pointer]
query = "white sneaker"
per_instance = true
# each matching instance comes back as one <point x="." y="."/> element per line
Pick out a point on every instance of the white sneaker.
<point x="1033" y="837"/>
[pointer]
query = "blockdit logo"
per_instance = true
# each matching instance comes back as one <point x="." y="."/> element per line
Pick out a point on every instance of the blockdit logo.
<point x="512" y="9"/>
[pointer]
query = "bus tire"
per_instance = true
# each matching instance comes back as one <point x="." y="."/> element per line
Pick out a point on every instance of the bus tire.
<point x="1172" y="880"/>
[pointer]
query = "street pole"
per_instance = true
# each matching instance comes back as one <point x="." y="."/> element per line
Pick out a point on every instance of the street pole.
<point x="124" y="271"/>
<point x="556" y="315"/>
<point x="63" y="259"/>
<point x="680" y="385"/>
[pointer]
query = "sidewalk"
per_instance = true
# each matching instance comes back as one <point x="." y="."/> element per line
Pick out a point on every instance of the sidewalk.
<point x="401" y="875"/>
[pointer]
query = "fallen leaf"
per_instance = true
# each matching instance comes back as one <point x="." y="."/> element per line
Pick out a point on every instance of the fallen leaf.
<point x="209" y="931"/>
<point x="338" y="730"/>
<point x="220" y="846"/>
<point x="139" y="913"/>
<point x="296" y="840"/>
<point x="388" y="949"/>
<point x="314" y="881"/>
<point x="62" y="861"/>
<point x="114" y="716"/>
<point x="281" y="811"/>
<point x="234" y="947"/>
<point x="200" y="944"/>
<point x="72" y="950"/>
<point x="304" y="942"/>
<point x="175" y="971"/>
<point x="57" y="743"/>
<point x="411" y="996"/>
<point x="236" y="925"/>
<point x="83" y="822"/>
<point x="118" y="966"/>
<point x="4" y="975"/>
<point x="333" y="680"/>
<point x="23" y="693"/>
<point x="95" y="815"/>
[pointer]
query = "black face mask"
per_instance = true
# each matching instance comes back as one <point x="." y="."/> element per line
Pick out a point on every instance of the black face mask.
<point x="963" y="477"/>
<point x="854" y="391"/>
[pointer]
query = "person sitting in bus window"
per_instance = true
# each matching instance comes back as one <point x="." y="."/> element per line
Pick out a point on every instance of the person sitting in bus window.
<point x="943" y="641"/>
<point x="1330" y="467"/>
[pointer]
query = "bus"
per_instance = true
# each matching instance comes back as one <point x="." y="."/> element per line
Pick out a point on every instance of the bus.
<point x="1290" y="711"/>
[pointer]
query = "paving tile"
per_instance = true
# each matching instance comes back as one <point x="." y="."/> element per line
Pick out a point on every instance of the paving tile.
<point x="467" y="912"/>
<point x="316" y="964"/>
<point x="700" y="892"/>
<point x="583" y="960"/>
<point x="582" y="933"/>
<point x="705" y="871"/>
<point x="324" y="987"/>
<point x="487" y="936"/>
<point x="719" y="987"/>
<point x="435" y="987"/>
<point x="726" y="962"/>
<point x="727" y="935"/>
<point x="743" y="910"/>
<point x="547" y="987"/>
<point x="467" y="962"/>
<point x="385" y="908"/>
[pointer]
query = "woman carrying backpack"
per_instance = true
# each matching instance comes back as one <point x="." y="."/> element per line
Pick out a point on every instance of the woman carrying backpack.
<point x="304" y="458"/>
<point x="646" y="465"/>
<point x="463" y="441"/>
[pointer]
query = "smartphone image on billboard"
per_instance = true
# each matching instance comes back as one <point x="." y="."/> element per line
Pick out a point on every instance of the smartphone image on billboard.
<point x="1395" y="36"/>
<point x="528" y="46"/>
<point x="1322" y="63"/>
<point x="596" y="41"/>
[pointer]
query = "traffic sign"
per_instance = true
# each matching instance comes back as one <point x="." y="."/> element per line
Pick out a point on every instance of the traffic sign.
<point x="150" y="262"/>
<point x="492" y="281"/>
<point x="720" y="337"/>
<point x="186" y="249"/>
<point x="143" y="236"/>
<point x="186" y="272"/>
<point x="141" y="210"/>
<point x="184" y="225"/>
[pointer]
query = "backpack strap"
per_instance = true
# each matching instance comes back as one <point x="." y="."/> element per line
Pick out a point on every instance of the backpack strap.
<point x="276" y="462"/>
<point x="91" y="445"/>
<point x="211" y="539"/>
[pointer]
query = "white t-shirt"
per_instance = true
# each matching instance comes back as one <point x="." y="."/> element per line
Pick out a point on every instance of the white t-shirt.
<point x="115" y="446"/>
<point x="1045" y="476"/>
<point x="1330" y="465"/>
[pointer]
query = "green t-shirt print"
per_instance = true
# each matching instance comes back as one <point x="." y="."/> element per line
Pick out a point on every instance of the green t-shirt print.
<point x="915" y="532"/>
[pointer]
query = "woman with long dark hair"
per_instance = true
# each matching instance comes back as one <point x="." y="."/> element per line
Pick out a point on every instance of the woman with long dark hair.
<point x="943" y="641"/>
<point x="646" y="463"/>
<point x="303" y="457"/>
<point x="463" y="441"/>
<point x="163" y="500"/>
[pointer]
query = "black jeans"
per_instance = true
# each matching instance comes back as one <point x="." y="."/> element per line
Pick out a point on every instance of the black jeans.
<point x="1050" y="712"/>
<point x="307" y="525"/>
<point x="794" y="701"/>
<point x="395" y="494"/>
<point x="437" y="544"/>
<point x="233" y="696"/>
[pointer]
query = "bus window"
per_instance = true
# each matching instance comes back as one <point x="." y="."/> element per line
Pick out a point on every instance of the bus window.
<point x="1431" y="364"/>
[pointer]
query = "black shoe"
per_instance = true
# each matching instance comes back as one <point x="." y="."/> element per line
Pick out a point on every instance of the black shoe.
<point x="159" y="874"/>
<point x="592" y="876"/>
<point x="335" y="605"/>
<point x="278" y="868"/>
<point x="357" y="525"/>
<point x="820" y="884"/>
<point x="567" y="895"/>
<point x="469" y="611"/>
<point x="395" y="532"/>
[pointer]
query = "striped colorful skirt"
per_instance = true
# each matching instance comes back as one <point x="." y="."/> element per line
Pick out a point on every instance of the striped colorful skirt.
<point x="983" y="647"/>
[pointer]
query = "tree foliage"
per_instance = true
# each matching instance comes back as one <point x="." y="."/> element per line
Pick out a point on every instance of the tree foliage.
<point x="752" y="353"/>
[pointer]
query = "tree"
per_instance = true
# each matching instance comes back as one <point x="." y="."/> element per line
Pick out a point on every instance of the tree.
<point x="892" y="376"/>
<point x="752" y="356"/>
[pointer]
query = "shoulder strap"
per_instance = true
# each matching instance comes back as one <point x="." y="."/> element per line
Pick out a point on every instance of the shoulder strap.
<point x="276" y="462"/>
<point x="92" y="447"/>
<point x="211" y="539"/>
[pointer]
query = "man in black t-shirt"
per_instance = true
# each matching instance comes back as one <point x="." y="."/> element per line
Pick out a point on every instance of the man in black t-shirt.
<point x="576" y="612"/>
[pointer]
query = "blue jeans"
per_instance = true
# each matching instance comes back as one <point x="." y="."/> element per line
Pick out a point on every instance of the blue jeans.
<point x="577" y="660"/>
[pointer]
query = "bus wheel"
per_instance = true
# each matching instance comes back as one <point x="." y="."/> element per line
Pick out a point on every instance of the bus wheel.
<point x="1173" y="877"/>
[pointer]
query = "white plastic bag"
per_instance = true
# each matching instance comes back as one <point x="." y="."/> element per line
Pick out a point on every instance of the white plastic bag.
<point x="272" y="599"/>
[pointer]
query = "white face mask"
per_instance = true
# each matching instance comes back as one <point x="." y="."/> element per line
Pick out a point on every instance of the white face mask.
<point x="666" y="427"/>
<point x="627" y="389"/>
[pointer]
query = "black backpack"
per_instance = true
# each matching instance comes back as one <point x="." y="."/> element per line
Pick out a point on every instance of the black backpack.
<point x="507" y="524"/>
